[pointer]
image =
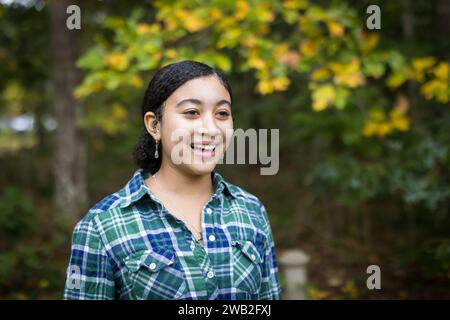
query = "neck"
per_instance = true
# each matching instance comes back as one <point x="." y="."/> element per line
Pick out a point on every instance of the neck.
<point x="176" y="181"/>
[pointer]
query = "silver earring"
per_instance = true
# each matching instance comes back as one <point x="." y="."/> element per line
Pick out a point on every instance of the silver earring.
<point x="156" y="150"/>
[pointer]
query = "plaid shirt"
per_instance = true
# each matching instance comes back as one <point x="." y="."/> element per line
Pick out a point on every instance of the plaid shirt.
<point x="129" y="246"/>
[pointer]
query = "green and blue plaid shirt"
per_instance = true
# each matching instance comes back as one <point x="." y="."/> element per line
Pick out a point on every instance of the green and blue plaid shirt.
<point x="129" y="246"/>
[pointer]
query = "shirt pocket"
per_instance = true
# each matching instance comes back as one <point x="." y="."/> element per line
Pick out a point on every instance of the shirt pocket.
<point x="154" y="275"/>
<point x="246" y="269"/>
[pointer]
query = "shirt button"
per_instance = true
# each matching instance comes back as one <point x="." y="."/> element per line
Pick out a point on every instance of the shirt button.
<point x="253" y="257"/>
<point x="210" y="274"/>
<point x="212" y="237"/>
<point x="152" y="266"/>
<point x="192" y="245"/>
<point x="208" y="210"/>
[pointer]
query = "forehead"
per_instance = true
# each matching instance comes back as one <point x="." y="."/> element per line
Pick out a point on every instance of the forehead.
<point x="207" y="89"/>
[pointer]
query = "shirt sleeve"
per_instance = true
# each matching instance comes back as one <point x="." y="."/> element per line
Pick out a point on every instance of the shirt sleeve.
<point x="89" y="274"/>
<point x="270" y="286"/>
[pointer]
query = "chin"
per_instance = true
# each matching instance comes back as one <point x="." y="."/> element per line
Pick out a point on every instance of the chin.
<point x="201" y="169"/>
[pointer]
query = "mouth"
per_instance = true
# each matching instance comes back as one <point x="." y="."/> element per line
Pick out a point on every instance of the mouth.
<point x="204" y="150"/>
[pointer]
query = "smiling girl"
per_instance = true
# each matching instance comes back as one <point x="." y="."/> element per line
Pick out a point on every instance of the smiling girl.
<point x="177" y="229"/>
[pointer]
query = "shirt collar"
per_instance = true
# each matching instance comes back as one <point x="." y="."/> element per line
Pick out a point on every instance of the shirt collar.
<point x="136" y="188"/>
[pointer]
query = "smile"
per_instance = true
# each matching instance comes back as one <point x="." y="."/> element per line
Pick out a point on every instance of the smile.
<point x="205" y="150"/>
<point x="207" y="147"/>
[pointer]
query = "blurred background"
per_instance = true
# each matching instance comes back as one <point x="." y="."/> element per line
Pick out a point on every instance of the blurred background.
<point x="364" y="121"/>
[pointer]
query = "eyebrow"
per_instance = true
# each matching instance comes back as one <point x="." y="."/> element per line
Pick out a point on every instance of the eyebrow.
<point x="199" y="102"/>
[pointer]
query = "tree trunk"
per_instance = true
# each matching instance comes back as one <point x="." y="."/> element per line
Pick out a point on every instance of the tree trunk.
<point x="70" y="154"/>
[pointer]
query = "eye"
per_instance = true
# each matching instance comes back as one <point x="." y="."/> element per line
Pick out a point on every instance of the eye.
<point x="223" y="114"/>
<point x="191" y="112"/>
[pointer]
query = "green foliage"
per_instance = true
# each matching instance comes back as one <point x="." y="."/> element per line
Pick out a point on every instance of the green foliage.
<point x="17" y="213"/>
<point x="434" y="257"/>
<point x="28" y="244"/>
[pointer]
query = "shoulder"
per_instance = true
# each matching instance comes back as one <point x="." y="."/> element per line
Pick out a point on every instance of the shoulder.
<point x="106" y="206"/>
<point x="239" y="192"/>
<point x="251" y="202"/>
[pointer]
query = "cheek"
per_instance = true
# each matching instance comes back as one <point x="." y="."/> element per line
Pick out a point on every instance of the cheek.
<point x="227" y="132"/>
<point x="174" y="131"/>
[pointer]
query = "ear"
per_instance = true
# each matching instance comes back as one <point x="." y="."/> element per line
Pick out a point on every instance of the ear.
<point x="152" y="125"/>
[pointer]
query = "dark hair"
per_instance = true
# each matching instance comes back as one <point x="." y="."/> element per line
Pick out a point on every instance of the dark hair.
<point x="164" y="82"/>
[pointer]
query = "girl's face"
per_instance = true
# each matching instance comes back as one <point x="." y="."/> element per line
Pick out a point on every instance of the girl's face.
<point x="196" y="125"/>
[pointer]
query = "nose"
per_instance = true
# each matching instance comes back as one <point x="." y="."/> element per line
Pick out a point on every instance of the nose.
<point x="208" y="127"/>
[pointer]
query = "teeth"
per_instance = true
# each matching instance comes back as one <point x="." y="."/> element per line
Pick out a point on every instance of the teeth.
<point x="203" y="147"/>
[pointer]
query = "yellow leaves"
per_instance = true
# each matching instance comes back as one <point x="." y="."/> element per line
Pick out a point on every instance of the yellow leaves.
<point x="323" y="97"/>
<point x="190" y="20"/>
<point x="280" y="50"/>
<point x="87" y="89"/>
<point x="242" y="9"/>
<point x="436" y="89"/>
<point x="117" y="61"/>
<point x="215" y="14"/>
<point x="295" y="4"/>
<point x="171" y="53"/>
<point x="142" y="28"/>
<point x="316" y="294"/>
<point x="377" y="115"/>
<point x="170" y="23"/>
<point x="379" y="124"/>
<point x="119" y="112"/>
<point x="114" y="122"/>
<point x="256" y="62"/>
<point x="309" y="48"/>
<point x="320" y="74"/>
<point x="281" y="83"/>
<point x="136" y="81"/>
<point x="397" y="114"/>
<point x="225" y="23"/>
<point x="420" y="66"/>
<point x="368" y="42"/>
<point x="395" y="80"/>
<point x="266" y="16"/>
<point x="263" y="12"/>
<point x="267" y="85"/>
<point x="230" y="38"/>
<point x="442" y="71"/>
<point x="249" y="41"/>
<point x="145" y="28"/>
<point x="439" y="88"/>
<point x="326" y="95"/>
<point x="158" y="55"/>
<point x="335" y="29"/>
<point x="348" y="74"/>
<point x="399" y="121"/>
